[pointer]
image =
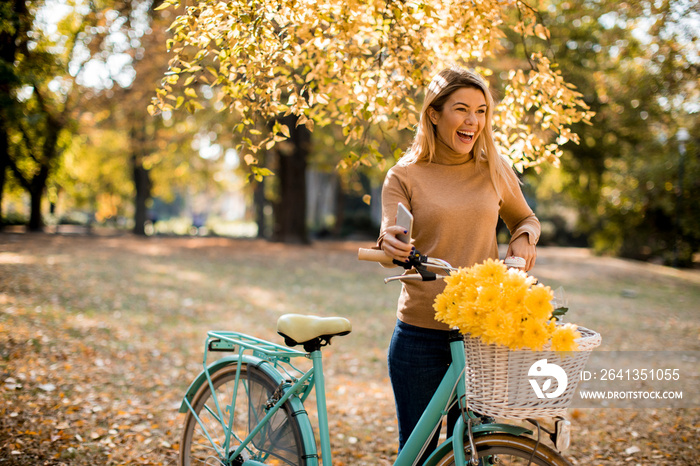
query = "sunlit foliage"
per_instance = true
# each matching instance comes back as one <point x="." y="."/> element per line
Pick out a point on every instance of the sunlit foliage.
<point x="631" y="181"/>
<point x="360" y="64"/>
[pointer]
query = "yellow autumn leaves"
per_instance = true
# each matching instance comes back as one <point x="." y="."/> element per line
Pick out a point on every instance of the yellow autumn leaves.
<point x="361" y="65"/>
<point x="503" y="307"/>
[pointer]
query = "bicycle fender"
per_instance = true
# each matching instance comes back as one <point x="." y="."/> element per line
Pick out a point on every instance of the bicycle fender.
<point x="478" y="430"/>
<point x="223" y="362"/>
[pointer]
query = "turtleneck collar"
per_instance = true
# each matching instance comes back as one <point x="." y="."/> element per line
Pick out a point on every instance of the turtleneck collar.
<point x="445" y="155"/>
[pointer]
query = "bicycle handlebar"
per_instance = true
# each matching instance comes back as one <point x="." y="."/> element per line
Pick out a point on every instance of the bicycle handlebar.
<point x="420" y="264"/>
<point x="416" y="261"/>
<point x="374" y="255"/>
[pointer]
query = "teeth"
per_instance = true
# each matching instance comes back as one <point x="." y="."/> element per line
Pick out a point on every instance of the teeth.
<point x="466" y="133"/>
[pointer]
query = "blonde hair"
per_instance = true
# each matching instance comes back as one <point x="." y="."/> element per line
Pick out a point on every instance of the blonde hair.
<point x="443" y="85"/>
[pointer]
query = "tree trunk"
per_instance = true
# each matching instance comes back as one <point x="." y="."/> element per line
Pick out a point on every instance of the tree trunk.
<point x="142" y="185"/>
<point x="37" y="184"/>
<point x="36" y="222"/>
<point x="4" y="166"/>
<point x="259" y="206"/>
<point x="36" y="193"/>
<point x="141" y="175"/>
<point x="339" y="207"/>
<point x="5" y="102"/>
<point x="290" y="210"/>
<point x="16" y="24"/>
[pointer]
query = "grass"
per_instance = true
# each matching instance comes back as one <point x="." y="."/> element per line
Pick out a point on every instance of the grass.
<point x="100" y="337"/>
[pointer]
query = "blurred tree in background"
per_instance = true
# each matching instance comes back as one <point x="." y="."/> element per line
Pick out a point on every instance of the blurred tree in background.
<point x="77" y="78"/>
<point x="43" y="86"/>
<point x="636" y="63"/>
<point x="161" y="152"/>
<point x="14" y="23"/>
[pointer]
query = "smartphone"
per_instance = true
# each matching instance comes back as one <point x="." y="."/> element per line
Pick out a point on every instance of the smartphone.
<point x="404" y="218"/>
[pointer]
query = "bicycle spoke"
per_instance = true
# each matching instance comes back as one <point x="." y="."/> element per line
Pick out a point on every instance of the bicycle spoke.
<point x="244" y="406"/>
<point x="510" y="450"/>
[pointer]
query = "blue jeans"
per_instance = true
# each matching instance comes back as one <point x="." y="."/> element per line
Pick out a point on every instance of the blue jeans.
<point x="418" y="360"/>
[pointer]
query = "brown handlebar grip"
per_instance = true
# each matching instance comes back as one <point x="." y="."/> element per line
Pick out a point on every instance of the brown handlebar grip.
<point x="374" y="255"/>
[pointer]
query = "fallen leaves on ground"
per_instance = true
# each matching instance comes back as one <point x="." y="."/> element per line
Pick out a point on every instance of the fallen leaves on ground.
<point x="100" y="337"/>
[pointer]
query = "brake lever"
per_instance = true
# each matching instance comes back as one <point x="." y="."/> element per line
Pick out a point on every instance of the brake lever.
<point x="409" y="276"/>
<point x="420" y="263"/>
<point x="416" y="261"/>
<point x="412" y="276"/>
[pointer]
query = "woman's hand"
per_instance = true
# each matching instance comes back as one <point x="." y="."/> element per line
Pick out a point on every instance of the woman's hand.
<point x="393" y="246"/>
<point x="521" y="247"/>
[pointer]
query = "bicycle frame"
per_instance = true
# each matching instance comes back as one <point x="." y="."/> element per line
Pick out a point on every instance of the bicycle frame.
<point x="451" y="388"/>
<point x="276" y="359"/>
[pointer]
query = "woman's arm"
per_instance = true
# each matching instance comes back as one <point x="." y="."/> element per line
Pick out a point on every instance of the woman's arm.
<point x="393" y="192"/>
<point x="521" y="247"/>
<point x="522" y="224"/>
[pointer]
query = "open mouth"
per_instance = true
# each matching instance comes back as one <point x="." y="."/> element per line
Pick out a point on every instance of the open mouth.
<point x="465" y="136"/>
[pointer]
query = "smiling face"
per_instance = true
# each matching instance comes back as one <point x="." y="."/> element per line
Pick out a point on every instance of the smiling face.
<point x="461" y="119"/>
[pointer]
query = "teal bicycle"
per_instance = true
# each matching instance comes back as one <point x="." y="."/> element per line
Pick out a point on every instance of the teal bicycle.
<point x="247" y="408"/>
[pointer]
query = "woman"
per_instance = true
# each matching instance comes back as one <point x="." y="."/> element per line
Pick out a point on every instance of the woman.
<point x="456" y="185"/>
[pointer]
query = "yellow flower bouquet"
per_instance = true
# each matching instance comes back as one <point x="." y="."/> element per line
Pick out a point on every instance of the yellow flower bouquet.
<point x="504" y="307"/>
<point x="510" y="327"/>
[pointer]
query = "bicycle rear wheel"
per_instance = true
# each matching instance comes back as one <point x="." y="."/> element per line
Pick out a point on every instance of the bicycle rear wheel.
<point x="509" y="450"/>
<point x="278" y="443"/>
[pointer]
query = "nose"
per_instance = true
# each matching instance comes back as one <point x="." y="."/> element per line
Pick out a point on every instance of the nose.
<point x="470" y="118"/>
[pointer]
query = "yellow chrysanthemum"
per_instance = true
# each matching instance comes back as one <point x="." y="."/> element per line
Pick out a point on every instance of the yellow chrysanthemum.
<point x="534" y="334"/>
<point x="467" y="318"/>
<point x="564" y="338"/>
<point x="499" y="329"/>
<point x="490" y="271"/>
<point x="516" y="278"/>
<point x="514" y="299"/>
<point x="454" y="279"/>
<point x="502" y="306"/>
<point x="441" y="305"/>
<point x="469" y="294"/>
<point x="538" y="302"/>
<point x="516" y="282"/>
<point x="489" y="296"/>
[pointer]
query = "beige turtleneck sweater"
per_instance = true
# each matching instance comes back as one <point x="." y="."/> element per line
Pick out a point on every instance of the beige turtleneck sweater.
<point x="455" y="208"/>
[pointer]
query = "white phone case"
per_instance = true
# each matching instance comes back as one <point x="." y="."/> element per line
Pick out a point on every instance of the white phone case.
<point x="404" y="218"/>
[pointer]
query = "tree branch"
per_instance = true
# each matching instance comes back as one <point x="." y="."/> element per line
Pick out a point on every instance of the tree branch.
<point x="26" y="140"/>
<point x="539" y="20"/>
<point x="46" y="110"/>
<point x="18" y="174"/>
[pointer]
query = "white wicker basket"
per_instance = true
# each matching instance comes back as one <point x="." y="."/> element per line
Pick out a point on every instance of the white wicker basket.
<point x="497" y="378"/>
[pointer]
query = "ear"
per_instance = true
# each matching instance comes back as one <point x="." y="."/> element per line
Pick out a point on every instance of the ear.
<point x="433" y="115"/>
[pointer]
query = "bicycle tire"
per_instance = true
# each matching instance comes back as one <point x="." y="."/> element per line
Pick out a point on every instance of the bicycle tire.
<point x="279" y="443"/>
<point x="511" y="450"/>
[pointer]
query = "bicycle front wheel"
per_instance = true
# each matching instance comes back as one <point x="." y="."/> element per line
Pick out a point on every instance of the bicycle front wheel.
<point x="278" y="443"/>
<point x="509" y="450"/>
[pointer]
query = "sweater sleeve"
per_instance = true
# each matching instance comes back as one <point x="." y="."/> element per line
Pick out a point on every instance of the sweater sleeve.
<point x="518" y="216"/>
<point x="394" y="190"/>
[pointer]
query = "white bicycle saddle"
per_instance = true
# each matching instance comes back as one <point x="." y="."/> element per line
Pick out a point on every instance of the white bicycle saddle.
<point x="298" y="329"/>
